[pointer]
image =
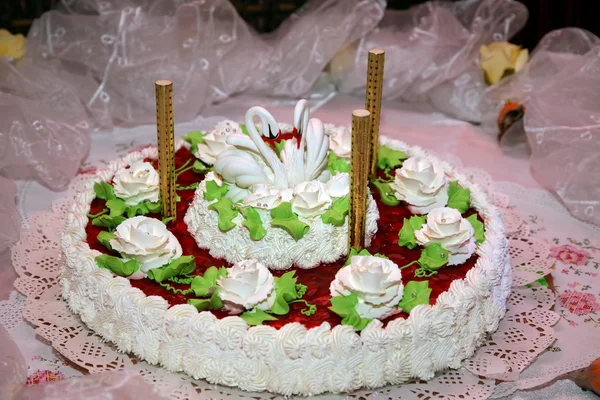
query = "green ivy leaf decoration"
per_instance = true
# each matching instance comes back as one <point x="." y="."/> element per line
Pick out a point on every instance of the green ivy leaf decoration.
<point x="199" y="168"/>
<point x="104" y="191"/>
<point x="433" y="257"/>
<point x="166" y="220"/>
<point x="345" y="307"/>
<point x="104" y="238"/>
<point x="388" y="158"/>
<point x="117" y="265"/>
<point x="138" y="209"/>
<point x="337" y="164"/>
<point x="285" y="218"/>
<point x="478" y="226"/>
<point x="180" y="266"/>
<point x="194" y="138"/>
<point x="105" y="221"/>
<point x="458" y="197"/>
<point x="386" y="193"/>
<point x="336" y="215"/>
<point x="406" y="236"/>
<point x="415" y="293"/>
<point x="253" y="223"/>
<point x="224" y="207"/>
<point x="116" y="206"/>
<point x="154" y="208"/>
<point x="203" y="285"/>
<point x="279" y="147"/>
<point x="212" y="303"/>
<point x="285" y="292"/>
<point x="214" y="191"/>
<point x="256" y="317"/>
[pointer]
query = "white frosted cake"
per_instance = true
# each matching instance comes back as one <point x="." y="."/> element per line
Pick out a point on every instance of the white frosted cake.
<point x="251" y="285"/>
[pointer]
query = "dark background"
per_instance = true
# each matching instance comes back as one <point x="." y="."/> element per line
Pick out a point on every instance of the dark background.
<point x="266" y="15"/>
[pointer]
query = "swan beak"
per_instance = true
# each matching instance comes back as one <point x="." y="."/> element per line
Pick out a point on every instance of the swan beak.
<point x="273" y="136"/>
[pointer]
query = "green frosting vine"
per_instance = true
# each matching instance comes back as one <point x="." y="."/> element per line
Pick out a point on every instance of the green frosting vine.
<point x="117" y="265"/>
<point x="206" y="284"/>
<point x="287" y="291"/>
<point x="406" y="236"/>
<point x="285" y="218"/>
<point x="478" y="226"/>
<point x="256" y="317"/>
<point x="183" y="265"/>
<point x="386" y="193"/>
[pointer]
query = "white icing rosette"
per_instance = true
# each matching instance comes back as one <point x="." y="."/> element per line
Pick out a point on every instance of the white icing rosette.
<point x="137" y="184"/>
<point x="147" y="240"/>
<point x="422" y="184"/>
<point x="339" y="185"/>
<point x="341" y="141"/>
<point x="216" y="141"/>
<point x="249" y="284"/>
<point x="447" y="227"/>
<point x="377" y="282"/>
<point x="310" y="199"/>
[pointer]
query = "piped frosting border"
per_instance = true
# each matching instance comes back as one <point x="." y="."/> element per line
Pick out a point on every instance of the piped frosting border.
<point x="293" y="359"/>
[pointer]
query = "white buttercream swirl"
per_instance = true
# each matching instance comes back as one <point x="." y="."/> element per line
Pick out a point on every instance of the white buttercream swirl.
<point x="248" y="284"/>
<point x="422" y="184"/>
<point x="147" y="240"/>
<point x="137" y="184"/>
<point x="447" y="227"/>
<point x="377" y="282"/>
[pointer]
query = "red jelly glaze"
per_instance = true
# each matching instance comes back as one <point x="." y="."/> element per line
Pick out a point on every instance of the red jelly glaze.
<point x="316" y="279"/>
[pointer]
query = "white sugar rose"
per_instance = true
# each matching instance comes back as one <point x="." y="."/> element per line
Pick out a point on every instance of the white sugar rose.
<point x="262" y="196"/>
<point x="137" y="184"/>
<point x="249" y="284"/>
<point x="447" y="227"/>
<point x="338" y="185"/>
<point x="341" y="141"/>
<point x="310" y="199"/>
<point x="377" y="282"/>
<point x="215" y="142"/>
<point x="147" y="240"/>
<point x="422" y="184"/>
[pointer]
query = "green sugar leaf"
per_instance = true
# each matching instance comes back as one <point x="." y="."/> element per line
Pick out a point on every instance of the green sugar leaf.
<point x="458" y="197"/>
<point x="180" y="266"/>
<point x="244" y="129"/>
<point x="117" y="265"/>
<point x="194" y="138"/>
<point x="345" y="307"/>
<point x="212" y="303"/>
<point x="203" y="285"/>
<point x="108" y="222"/>
<point x="388" y="158"/>
<point x="279" y="146"/>
<point x="406" y="236"/>
<point x="116" y="206"/>
<point x="354" y="252"/>
<point x="214" y="191"/>
<point x="386" y="193"/>
<point x="478" y="226"/>
<point x="154" y="208"/>
<point x="285" y="292"/>
<point x="336" y="215"/>
<point x="415" y="293"/>
<point x="104" y="238"/>
<point x="224" y="207"/>
<point x="104" y="191"/>
<point x="256" y="317"/>
<point x="433" y="257"/>
<point x="337" y="164"/>
<point x="199" y="168"/>
<point x="253" y="223"/>
<point x="138" y="209"/>
<point x="285" y="218"/>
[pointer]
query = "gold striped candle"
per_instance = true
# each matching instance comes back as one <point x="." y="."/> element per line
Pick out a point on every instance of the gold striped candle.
<point x="166" y="146"/>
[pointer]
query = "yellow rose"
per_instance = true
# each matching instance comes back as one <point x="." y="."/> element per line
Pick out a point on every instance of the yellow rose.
<point x="500" y="59"/>
<point x="11" y="45"/>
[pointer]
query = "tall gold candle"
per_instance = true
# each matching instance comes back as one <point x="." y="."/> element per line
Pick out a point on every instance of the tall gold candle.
<point x="359" y="178"/>
<point x="373" y="100"/>
<point x="166" y="146"/>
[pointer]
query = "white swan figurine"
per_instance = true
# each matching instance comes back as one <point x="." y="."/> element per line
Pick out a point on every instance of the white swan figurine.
<point x="240" y="166"/>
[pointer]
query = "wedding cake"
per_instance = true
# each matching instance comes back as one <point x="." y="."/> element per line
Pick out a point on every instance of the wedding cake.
<point x="253" y="285"/>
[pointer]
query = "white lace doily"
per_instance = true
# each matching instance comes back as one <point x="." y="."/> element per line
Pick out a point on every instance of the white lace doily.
<point x="522" y="335"/>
